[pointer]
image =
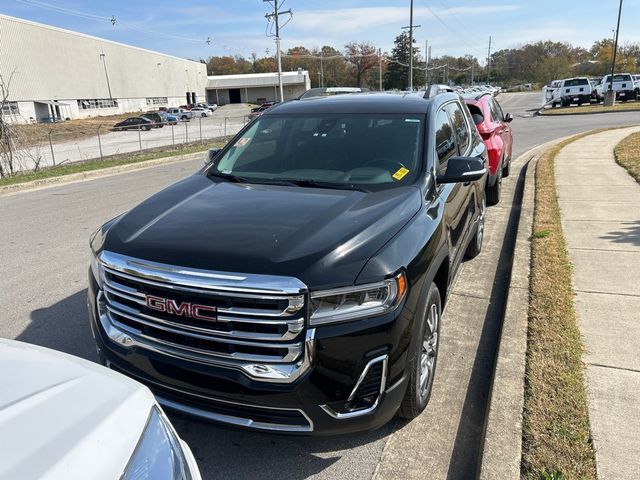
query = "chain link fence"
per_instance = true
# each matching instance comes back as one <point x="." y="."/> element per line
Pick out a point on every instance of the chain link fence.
<point x="40" y="146"/>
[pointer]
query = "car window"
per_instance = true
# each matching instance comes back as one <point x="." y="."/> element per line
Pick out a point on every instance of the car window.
<point x="460" y="126"/>
<point x="498" y="110"/>
<point x="445" y="142"/>
<point x="375" y="151"/>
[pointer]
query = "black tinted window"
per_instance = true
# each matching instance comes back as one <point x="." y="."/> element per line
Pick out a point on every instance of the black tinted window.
<point x="445" y="142"/>
<point x="498" y="110"/>
<point x="460" y="127"/>
<point x="574" y="82"/>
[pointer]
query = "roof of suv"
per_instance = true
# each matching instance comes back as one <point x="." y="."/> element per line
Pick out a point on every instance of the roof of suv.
<point x="357" y="103"/>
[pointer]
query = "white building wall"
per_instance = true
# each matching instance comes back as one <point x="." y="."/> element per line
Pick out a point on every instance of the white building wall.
<point x="47" y="63"/>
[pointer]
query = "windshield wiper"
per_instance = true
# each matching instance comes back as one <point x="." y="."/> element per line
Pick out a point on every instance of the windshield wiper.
<point x="229" y="177"/>
<point x="305" y="182"/>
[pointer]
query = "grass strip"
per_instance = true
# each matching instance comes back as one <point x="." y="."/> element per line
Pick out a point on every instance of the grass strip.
<point x="556" y="436"/>
<point x="627" y="154"/>
<point x="581" y="110"/>
<point x="107" y="162"/>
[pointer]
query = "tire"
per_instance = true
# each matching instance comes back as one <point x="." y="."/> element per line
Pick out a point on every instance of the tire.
<point x="475" y="245"/>
<point x="423" y="357"/>
<point x="203" y="115"/>
<point x="183" y="118"/>
<point x="493" y="192"/>
<point x="147" y="129"/>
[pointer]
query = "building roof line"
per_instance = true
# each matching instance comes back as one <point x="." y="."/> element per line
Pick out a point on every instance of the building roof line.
<point x="92" y="37"/>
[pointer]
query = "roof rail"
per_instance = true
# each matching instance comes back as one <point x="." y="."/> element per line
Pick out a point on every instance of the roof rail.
<point x="437" y="89"/>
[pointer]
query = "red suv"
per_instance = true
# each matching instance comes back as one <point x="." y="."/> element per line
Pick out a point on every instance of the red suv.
<point x="493" y="126"/>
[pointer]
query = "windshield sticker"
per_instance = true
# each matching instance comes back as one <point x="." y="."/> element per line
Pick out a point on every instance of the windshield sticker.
<point x="400" y="174"/>
<point x="242" y="142"/>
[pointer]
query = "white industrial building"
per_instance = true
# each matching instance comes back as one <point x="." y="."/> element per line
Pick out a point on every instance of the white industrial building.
<point x="59" y="74"/>
<point x="256" y="87"/>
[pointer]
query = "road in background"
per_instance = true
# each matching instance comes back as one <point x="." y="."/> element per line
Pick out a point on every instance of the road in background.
<point x="226" y="120"/>
<point x="44" y="256"/>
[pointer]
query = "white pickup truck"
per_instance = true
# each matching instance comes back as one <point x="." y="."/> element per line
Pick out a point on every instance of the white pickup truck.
<point x="623" y="85"/>
<point x="572" y="90"/>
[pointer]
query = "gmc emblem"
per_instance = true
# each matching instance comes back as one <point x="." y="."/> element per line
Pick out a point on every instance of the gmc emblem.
<point x="184" y="309"/>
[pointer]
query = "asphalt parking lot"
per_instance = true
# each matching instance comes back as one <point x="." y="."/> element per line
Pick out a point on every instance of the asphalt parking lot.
<point x="44" y="256"/>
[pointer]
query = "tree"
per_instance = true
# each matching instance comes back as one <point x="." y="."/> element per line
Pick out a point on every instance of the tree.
<point x="362" y="57"/>
<point x="397" y="74"/>
<point x="228" y="65"/>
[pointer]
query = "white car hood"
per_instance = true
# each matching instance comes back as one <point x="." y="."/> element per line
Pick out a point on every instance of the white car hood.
<point x="62" y="417"/>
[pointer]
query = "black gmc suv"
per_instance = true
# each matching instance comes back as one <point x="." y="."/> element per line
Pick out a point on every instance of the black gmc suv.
<point x="296" y="282"/>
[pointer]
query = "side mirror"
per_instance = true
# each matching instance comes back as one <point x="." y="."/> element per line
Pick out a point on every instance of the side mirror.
<point x="508" y="118"/>
<point x="210" y="155"/>
<point x="463" y="169"/>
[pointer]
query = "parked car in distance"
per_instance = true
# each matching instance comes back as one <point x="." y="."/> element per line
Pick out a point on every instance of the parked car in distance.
<point x="181" y="114"/>
<point x="257" y="111"/>
<point x="157" y="118"/>
<point x="493" y="126"/>
<point x="171" y="119"/>
<point x="212" y="106"/>
<point x="296" y="283"/>
<point x="134" y="123"/>
<point x="64" y="417"/>
<point x="623" y="87"/>
<point x="186" y="107"/>
<point x="636" y="86"/>
<point x="200" y="112"/>
<point x="572" y="90"/>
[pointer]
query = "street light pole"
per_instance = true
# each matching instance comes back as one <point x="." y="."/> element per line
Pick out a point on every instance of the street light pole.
<point x="104" y="63"/>
<point x="615" y="50"/>
<point x="411" y="27"/>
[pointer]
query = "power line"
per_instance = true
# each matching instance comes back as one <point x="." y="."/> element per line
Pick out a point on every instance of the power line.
<point x="276" y="16"/>
<point x="113" y="20"/>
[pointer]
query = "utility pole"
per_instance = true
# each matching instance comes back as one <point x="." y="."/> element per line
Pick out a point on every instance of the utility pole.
<point x="321" y="70"/>
<point x="275" y="15"/>
<point x="104" y="63"/>
<point x="472" y="67"/>
<point x="380" y="66"/>
<point x="411" y="27"/>
<point x="610" y="98"/>
<point x="489" y="61"/>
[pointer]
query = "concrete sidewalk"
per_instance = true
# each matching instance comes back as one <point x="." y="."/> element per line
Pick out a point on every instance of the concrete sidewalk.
<point x="600" y="208"/>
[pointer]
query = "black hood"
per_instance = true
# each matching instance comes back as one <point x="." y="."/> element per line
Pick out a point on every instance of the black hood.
<point x="321" y="236"/>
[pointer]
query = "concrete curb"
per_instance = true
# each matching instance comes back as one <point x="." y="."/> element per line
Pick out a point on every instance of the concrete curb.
<point x="585" y="113"/>
<point x="93" y="174"/>
<point x="502" y="446"/>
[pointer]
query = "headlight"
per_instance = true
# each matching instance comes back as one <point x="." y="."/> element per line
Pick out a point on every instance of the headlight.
<point x="158" y="455"/>
<point x="341" y="304"/>
<point x="97" y="270"/>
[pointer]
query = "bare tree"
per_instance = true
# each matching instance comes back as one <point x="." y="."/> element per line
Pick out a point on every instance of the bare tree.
<point x="6" y="133"/>
<point x="362" y="57"/>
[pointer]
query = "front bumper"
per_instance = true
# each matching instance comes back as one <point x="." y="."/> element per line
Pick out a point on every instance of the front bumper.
<point x="315" y="403"/>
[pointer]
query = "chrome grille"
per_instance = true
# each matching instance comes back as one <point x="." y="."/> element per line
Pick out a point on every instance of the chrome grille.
<point x="257" y="318"/>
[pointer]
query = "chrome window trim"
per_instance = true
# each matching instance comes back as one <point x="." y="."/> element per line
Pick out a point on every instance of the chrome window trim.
<point x="365" y="411"/>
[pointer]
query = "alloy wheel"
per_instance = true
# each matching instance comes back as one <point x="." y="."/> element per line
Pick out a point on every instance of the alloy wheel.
<point x="429" y="349"/>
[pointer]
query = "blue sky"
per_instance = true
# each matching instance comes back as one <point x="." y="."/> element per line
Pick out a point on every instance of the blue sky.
<point x="456" y="27"/>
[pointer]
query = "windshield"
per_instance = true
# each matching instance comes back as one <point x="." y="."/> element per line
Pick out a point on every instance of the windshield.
<point x="574" y="82"/>
<point x="344" y="151"/>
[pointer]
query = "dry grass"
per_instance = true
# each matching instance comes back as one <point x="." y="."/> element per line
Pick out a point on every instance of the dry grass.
<point x="556" y="435"/>
<point x="627" y="154"/>
<point x="38" y="134"/>
<point x="109" y="161"/>
<point x="619" y="107"/>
